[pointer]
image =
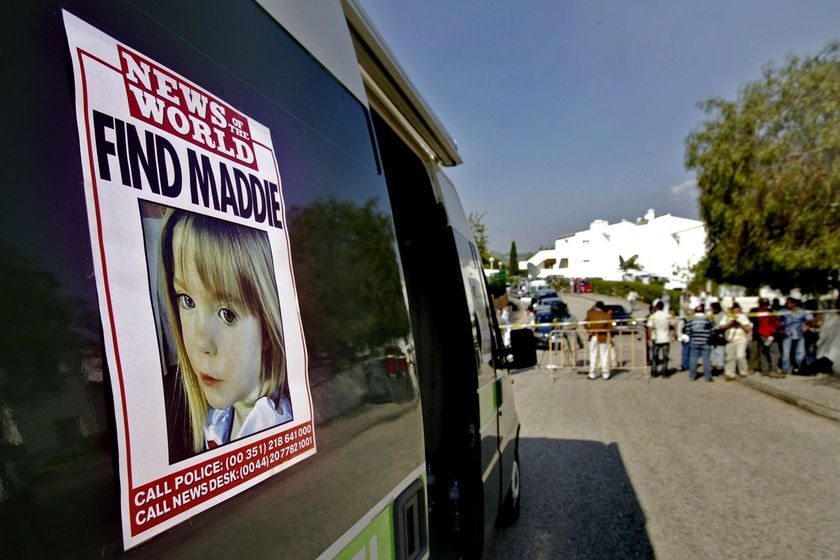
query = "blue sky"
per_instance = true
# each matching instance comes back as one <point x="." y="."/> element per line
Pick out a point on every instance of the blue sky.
<point x="569" y="111"/>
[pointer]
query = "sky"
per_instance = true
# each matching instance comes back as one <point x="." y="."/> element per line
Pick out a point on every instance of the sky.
<point x="569" y="111"/>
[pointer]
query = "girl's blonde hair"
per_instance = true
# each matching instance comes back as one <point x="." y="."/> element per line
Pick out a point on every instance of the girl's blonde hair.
<point x="234" y="264"/>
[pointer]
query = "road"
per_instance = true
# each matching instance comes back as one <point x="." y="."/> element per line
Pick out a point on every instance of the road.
<point x="670" y="469"/>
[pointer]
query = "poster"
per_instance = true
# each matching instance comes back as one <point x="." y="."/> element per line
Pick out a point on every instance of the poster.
<point x="196" y="289"/>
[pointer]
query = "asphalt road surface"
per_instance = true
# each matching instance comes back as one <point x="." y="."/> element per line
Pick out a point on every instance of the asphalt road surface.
<point x="670" y="469"/>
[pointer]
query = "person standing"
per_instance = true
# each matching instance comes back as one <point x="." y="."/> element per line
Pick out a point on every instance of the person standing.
<point x="768" y="327"/>
<point x="811" y="335"/>
<point x="699" y="329"/>
<point x="682" y="338"/>
<point x="504" y="324"/>
<point x="686" y="307"/>
<point x="568" y="331"/>
<point x="659" y="331"/>
<point x="717" y="341"/>
<point x="754" y="347"/>
<point x="737" y="331"/>
<point x="631" y="299"/>
<point x="598" y="321"/>
<point x="794" y="319"/>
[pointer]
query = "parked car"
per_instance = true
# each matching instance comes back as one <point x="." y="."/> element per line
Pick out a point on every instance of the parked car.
<point x="584" y="287"/>
<point x="543" y="314"/>
<point x="544" y="298"/>
<point x="550" y="299"/>
<point x="621" y="318"/>
<point x="540" y="298"/>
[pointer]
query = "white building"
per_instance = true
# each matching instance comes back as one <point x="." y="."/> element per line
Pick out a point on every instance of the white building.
<point x="664" y="246"/>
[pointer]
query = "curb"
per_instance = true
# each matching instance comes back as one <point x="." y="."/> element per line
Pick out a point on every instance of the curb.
<point x="804" y="404"/>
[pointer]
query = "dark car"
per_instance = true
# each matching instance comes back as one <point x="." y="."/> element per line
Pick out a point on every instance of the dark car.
<point x="547" y="297"/>
<point x="543" y="314"/>
<point x="622" y="320"/>
<point x="551" y="299"/>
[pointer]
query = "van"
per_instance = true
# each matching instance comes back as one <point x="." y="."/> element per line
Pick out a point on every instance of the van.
<point x="533" y="289"/>
<point x="223" y="338"/>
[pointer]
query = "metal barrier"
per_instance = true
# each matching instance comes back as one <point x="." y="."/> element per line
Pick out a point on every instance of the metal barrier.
<point x="568" y="349"/>
<point x="628" y="348"/>
<point x="562" y="349"/>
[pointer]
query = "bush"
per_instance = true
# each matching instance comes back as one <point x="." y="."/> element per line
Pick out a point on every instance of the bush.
<point x="560" y="284"/>
<point x="647" y="292"/>
<point x="497" y="284"/>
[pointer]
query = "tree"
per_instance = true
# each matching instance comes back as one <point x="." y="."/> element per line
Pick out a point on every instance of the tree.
<point x="513" y="260"/>
<point x="626" y="265"/>
<point x="480" y="232"/>
<point x="768" y="171"/>
<point x="365" y="308"/>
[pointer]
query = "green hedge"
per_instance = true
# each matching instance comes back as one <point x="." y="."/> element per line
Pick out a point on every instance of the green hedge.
<point x="647" y="292"/>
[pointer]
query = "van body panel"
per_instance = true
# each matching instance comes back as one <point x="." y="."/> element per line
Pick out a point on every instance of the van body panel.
<point x="406" y="378"/>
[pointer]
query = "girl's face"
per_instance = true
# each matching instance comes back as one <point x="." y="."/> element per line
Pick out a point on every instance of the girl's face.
<point x="223" y="339"/>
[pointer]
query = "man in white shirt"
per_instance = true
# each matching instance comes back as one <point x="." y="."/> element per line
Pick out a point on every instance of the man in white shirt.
<point x="632" y="297"/>
<point x="737" y="334"/>
<point x="659" y="333"/>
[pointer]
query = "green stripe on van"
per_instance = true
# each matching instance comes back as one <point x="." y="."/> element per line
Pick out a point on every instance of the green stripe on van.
<point x="487" y="403"/>
<point x="376" y="541"/>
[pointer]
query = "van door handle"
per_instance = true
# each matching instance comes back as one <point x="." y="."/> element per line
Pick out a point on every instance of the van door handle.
<point x="411" y="533"/>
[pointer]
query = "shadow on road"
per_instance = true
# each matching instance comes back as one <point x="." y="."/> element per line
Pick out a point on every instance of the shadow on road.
<point x="577" y="502"/>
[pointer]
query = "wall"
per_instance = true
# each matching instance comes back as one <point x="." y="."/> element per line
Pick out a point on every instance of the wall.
<point x="666" y="246"/>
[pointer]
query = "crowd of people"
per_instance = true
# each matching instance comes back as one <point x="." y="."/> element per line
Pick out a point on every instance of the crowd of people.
<point x="772" y="339"/>
<point x="717" y="339"/>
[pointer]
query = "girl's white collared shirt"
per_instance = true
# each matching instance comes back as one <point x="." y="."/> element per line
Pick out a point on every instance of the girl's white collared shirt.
<point x="217" y="429"/>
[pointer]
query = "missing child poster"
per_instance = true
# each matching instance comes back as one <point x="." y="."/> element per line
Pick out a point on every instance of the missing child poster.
<point x="196" y="290"/>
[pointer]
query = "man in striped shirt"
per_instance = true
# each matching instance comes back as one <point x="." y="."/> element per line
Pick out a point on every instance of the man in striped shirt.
<point x="699" y="329"/>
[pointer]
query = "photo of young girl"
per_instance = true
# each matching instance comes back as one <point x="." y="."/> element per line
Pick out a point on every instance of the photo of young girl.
<point x="222" y="311"/>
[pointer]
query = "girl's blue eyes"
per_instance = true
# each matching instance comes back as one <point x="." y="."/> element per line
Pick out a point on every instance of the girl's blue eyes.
<point x="225" y="314"/>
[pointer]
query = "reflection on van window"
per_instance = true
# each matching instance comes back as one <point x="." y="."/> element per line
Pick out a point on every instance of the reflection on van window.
<point x="356" y="242"/>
